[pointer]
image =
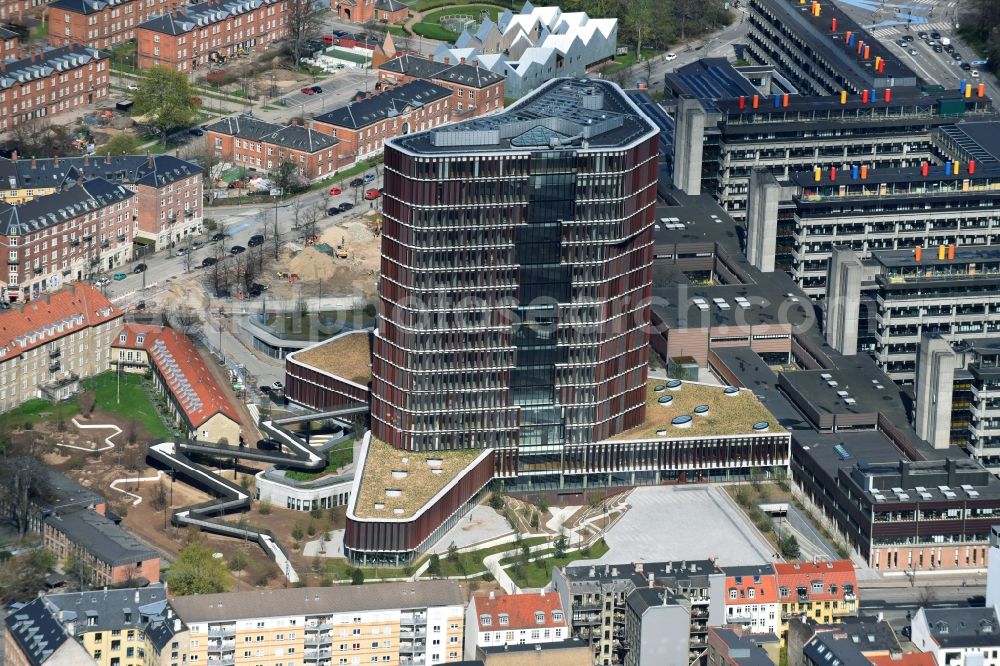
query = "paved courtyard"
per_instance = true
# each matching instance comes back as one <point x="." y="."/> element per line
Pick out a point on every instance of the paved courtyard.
<point x="684" y="523"/>
<point x="481" y="524"/>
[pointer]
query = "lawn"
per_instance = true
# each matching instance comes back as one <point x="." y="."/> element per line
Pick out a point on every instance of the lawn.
<point x="339" y="455"/>
<point x="347" y="173"/>
<point x="532" y="575"/>
<point x="472" y="561"/>
<point x="426" y="5"/>
<point x="133" y="404"/>
<point x="397" y="31"/>
<point x="435" y="31"/>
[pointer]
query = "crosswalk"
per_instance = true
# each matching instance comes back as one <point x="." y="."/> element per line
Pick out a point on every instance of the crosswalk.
<point x="892" y="31"/>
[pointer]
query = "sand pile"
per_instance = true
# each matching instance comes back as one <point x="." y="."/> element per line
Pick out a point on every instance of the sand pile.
<point x="311" y="264"/>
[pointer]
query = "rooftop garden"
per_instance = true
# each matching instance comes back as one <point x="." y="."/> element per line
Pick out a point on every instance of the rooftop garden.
<point x="348" y="356"/>
<point x="727" y="414"/>
<point x="340" y="454"/>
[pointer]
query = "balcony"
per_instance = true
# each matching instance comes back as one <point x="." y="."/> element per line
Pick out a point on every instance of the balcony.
<point x="318" y="641"/>
<point x="12" y="262"/>
<point x="224" y="661"/>
<point x="36" y="268"/>
<point x="221" y="646"/>
<point x="74" y="242"/>
<point x="224" y="632"/>
<point x="407" y="634"/>
<point x="55" y="353"/>
<point x="410" y="648"/>
<point x="318" y="627"/>
<point x="106" y="244"/>
<point x="121" y="237"/>
<point x="88" y="238"/>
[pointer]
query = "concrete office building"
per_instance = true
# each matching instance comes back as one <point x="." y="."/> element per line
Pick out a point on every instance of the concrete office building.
<point x="731" y="120"/>
<point x="821" y="49"/>
<point x="843" y="301"/>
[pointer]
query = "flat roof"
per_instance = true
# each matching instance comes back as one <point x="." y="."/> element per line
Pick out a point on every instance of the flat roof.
<point x="964" y="254"/>
<point x="101" y="537"/>
<point x="936" y="173"/>
<point x="567" y="113"/>
<point x="396" y="483"/>
<point x="709" y="79"/>
<point x="980" y="140"/>
<point x="347" y="355"/>
<point x="727" y="414"/>
<point x="856" y="378"/>
<point x="231" y="606"/>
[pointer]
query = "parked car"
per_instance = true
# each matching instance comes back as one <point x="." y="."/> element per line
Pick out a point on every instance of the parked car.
<point x="180" y="252"/>
<point x="307" y="91"/>
<point x="347" y="205"/>
<point x="670" y="56"/>
<point x="119" y="277"/>
<point x="357" y="182"/>
<point x="937" y="48"/>
<point x="334" y="191"/>
<point x="369" y="177"/>
<point x="265" y="389"/>
<point x="935" y="35"/>
<point x="318" y="90"/>
<point x="268" y="444"/>
<point x="218" y="236"/>
<point x="196" y="131"/>
<point x="103" y="281"/>
<point x="922" y="35"/>
<point x="966" y="66"/>
<point x="278" y="386"/>
<point x="255" y="240"/>
<point x="372" y="194"/>
<point x="333" y="210"/>
<point x="907" y="38"/>
<point x="949" y="48"/>
<point x="975" y="73"/>
<point x="139" y="268"/>
<point x="956" y="56"/>
<point x="340" y="65"/>
<point x="237" y="249"/>
<point x="141" y="305"/>
<point x="913" y="52"/>
<point x="256" y="289"/>
<point x="209" y="261"/>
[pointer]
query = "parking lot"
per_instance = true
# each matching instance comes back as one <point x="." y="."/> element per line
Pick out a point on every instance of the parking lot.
<point x="684" y="523"/>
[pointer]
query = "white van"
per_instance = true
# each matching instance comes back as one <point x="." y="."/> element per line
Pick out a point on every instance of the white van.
<point x="945" y="41"/>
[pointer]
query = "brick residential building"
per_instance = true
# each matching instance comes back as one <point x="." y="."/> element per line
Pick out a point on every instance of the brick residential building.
<point x="169" y="189"/>
<point x="194" y="35"/>
<point x="475" y="90"/>
<point x="10" y="43"/>
<point x="101" y="24"/>
<point x="48" y="345"/>
<point x="262" y="146"/>
<point x="197" y="401"/>
<point x="48" y="82"/>
<point x="365" y="11"/>
<point x="364" y="124"/>
<point x="70" y="235"/>
<point x="16" y="10"/>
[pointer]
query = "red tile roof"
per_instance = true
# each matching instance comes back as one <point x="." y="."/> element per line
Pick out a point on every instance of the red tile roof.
<point x="802" y="574"/>
<point x="190" y="381"/>
<point x="52" y="316"/>
<point x="765" y="589"/>
<point x="906" y="659"/>
<point x="520" y="610"/>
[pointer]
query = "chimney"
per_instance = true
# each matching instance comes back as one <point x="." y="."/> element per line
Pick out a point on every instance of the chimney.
<point x="592" y="572"/>
<point x="107" y="158"/>
<point x="652" y="579"/>
<point x="492" y="594"/>
<point x="13" y="156"/>
<point x="34" y="162"/>
<point x="543" y="591"/>
<point x="461" y="61"/>
<point x="86" y="160"/>
<point x="447" y="60"/>
<point x="368" y="95"/>
<point x="55" y="161"/>
<point x="149" y="158"/>
<point x="136" y="597"/>
<point x="177" y="624"/>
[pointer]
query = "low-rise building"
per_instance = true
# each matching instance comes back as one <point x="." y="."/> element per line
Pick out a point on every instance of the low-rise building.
<point x="958" y="636"/>
<point x="49" y="344"/>
<point x="197" y="401"/>
<point x="414" y="622"/>
<point x="751" y="599"/>
<point x="98" y="628"/>
<point x="73" y="234"/>
<point x="10" y="41"/>
<point x="192" y="36"/>
<point x="332" y="373"/>
<point x="257" y="145"/>
<point x="367" y="11"/>
<point x="513" y="619"/>
<point x="169" y="193"/>
<point x="109" y="554"/>
<point x="48" y="82"/>
<point x="101" y="24"/>
<point x="732" y="646"/>
<point x="822" y="591"/>
<point x="475" y="89"/>
<point x="857" y="640"/>
<point x="363" y="125"/>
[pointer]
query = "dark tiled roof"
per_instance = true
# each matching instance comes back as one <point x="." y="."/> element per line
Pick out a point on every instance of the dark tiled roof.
<point x="422" y="68"/>
<point x="389" y="104"/>
<point x="289" y="136"/>
<point x="202" y="14"/>
<point x="36" y="631"/>
<point x="56" y="208"/>
<point x="105" y="610"/>
<point x="83" y="6"/>
<point x="40" y="66"/>
<point x="151" y="170"/>
<point x="6" y="34"/>
<point x="244" y="126"/>
<point x="963" y="627"/>
<point x="425" y="68"/>
<point x="469" y="75"/>
<point x="100" y="537"/>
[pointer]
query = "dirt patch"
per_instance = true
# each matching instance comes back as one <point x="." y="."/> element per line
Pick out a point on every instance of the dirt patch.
<point x="284" y="523"/>
<point x="310" y="264"/>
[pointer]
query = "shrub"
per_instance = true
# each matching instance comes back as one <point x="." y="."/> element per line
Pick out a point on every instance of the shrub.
<point x="311" y="530"/>
<point x="489" y="577"/>
<point x="357" y="577"/>
<point x="264" y="507"/>
<point x="298" y="532"/>
<point x="316" y="512"/>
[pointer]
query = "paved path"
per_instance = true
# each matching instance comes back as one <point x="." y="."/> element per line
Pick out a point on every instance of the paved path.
<point x="684" y="523"/>
<point x="482" y="524"/>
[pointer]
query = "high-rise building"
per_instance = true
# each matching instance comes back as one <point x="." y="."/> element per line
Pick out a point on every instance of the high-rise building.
<point x="516" y="263"/>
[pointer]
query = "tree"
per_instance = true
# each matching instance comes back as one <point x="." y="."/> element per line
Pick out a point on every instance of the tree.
<point x="195" y="571"/>
<point x="239" y="561"/>
<point x="789" y="547"/>
<point x="357" y="577"/>
<point x="159" y="499"/>
<point x="275" y="233"/>
<point x="302" y="26"/>
<point x="453" y="553"/>
<point x="22" y="482"/>
<point x="77" y="571"/>
<point x="287" y="178"/>
<point x="87" y="400"/>
<point x="434" y="565"/>
<point x="185" y="319"/>
<point x="130" y="431"/>
<point x="168" y="98"/>
<point x="561" y="545"/>
<point x="23" y="576"/>
<point x="120" y="144"/>
<point x="496" y="496"/>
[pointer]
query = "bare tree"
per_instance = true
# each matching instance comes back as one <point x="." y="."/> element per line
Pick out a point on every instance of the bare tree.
<point x="185" y="319"/>
<point x="159" y="499"/>
<point x="87" y="400"/>
<point x="22" y="480"/>
<point x="311" y="218"/>
<point x="302" y="26"/>
<point x="221" y="276"/>
<point x="130" y="432"/>
<point x="275" y="235"/>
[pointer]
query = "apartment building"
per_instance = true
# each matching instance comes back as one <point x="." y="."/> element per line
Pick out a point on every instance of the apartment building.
<point x="76" y="233"/>
<point x="199" y="404"/>
<point x="47" y="82"/>
<point x="49" y="344"/>
<point x="596" y="600"/>
<point x="412" y="623"/>
<point x="101" y="24"/>
<point x="857" y="640"/>
<point x="729" y="121"/>
<point x="10" y="42"/>
<point x="192" y="36"/>
<point x="364" y="124"/>
<point x="513" y="619"/>
<point x="109" y="554"/>
<point x="657" y="628"/>
<point x="475" y="89"/>
<point x="958" y="636"/>
<point x="751" y="599"/>
<point x="121" y="627"/>
<point x="824" y="592"/>
<point x="11" y="10"/>
<point x="257" y="145"/>
<point x="820" y="49"/>
<point x="168" y="192"/>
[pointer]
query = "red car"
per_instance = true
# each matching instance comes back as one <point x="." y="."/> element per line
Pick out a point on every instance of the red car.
<point x="307" y="91"/>
<point x="334" y="191"/>
<point x="372" y="194"/>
